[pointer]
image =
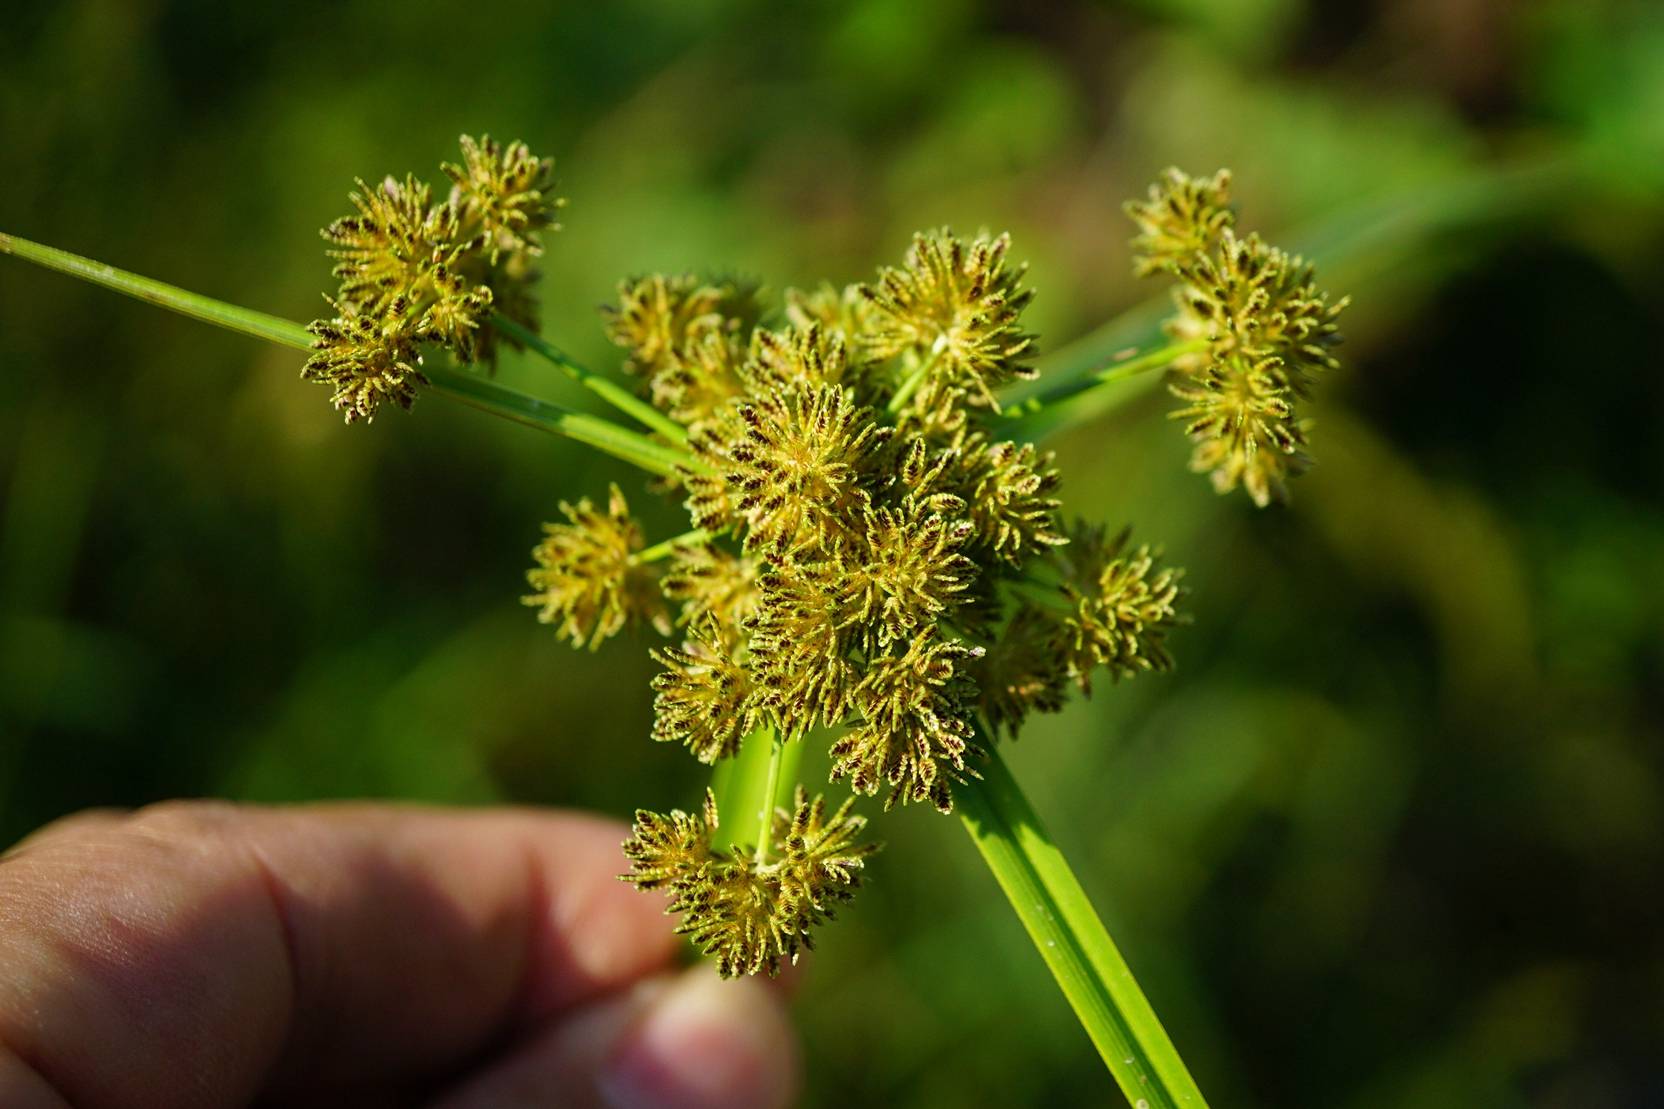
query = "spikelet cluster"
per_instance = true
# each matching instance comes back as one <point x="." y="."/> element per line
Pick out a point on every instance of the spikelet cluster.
<point x="587" y="581"/>
<point x="878" y="560"/>
<point x="1264" y="329"/>
<point x="752" y="915"/>
<point x="877" y="564"/>
<point x="416" y="270"/>
<point x="685" y="339"/>
<point x="868" y="539"/>
<point x="952" y="313"/>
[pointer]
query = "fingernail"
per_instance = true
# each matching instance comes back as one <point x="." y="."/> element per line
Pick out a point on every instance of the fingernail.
<point x="705" y="1044"/>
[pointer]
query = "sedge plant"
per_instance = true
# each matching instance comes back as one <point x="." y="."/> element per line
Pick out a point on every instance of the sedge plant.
<point x="877" y="556"/>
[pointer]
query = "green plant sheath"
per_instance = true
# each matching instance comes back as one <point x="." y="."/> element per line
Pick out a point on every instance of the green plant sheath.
<point x="740" y="782"/>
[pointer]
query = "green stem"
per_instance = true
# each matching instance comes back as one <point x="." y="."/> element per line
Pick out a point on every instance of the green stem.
<point x="791" y="756"/>
<point x="595" y="431"/>
<point x="1153" y="360"/>
<point x="911" y="385"/>
<point x="738" y="782"/>
<point x="610" y="391"/>
<point x="1072" y="940"/>
<point x="665" y="549"/>
<point x="477" y="392"/>
<point x="765" y="801"/>
<point x="273" y="329"/>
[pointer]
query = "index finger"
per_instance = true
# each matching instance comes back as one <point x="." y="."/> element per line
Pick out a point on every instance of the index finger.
<point x="322" y="949"/>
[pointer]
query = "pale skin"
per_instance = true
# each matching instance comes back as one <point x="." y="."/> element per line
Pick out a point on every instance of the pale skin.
<point x="196" y="955"/>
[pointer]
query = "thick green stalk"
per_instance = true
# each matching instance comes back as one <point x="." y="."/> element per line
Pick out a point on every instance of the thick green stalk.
<point x="1071" y="938"/>
<point x="478" y="392"/>
<point x="610" y="391"/>
<point x="739" y="781"/>
<point x="764" y="801"/>
<point x="751" y="785"/>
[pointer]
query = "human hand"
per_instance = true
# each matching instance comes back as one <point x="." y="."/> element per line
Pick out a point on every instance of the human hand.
<point x="197" y="955"/>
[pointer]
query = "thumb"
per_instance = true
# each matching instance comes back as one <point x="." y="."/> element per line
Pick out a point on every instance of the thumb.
<point x="688" y="1041"/>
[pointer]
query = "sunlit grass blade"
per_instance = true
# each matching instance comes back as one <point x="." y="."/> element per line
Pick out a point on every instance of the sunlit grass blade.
<point x="1071" y="938"/>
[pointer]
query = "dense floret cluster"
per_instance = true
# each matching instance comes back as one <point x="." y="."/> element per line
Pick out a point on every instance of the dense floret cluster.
<point x="877" y="560"/>
<point x="415" y="271"/>
<point x="1261" y="328"/>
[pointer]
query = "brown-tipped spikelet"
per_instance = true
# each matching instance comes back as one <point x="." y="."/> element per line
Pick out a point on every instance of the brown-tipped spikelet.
<point x="1260" y="329"/>
<point x="1180" y="219"/>
<point x="952" y="312"/>
<point x="364" y="362"/>
<point x="1026" y="669"/>
<point x="914" y="734"/>
<point x="704" y="700"/>
<point x="430" y="271"/>
<point x="1123" y="606"/>
<point x="751" y="915"/>
<point x="797" y="463"/>
<point x="587" y="579"/>
<point x="506" y="191"/>
<point x="713" y="584"/>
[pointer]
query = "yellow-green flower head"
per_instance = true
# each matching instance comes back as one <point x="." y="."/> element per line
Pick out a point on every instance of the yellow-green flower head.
<point x="656" y="316"/>
<point x="696" y="387"/>
<point x="796" y="358"/>
<point x="1008" y="488"/>
<point x="1241" y="418"/>
<point x="1263" y="328"/>
<point x="1123" y="606"/>
<point x="672" y="848"/>
<point x="905" y="571"/>
<point x="1025" y="670"/>
<point x="915" y="732"/>
<point x="800" y="642"/>
<point x="363" y="363"/>
<point x="751" y="915"/>
<point x="954" y="308"/>
<point x="1182" y="218"/>
<point x="401" y="257"/>
<point x="586" y="579"/>
<point x="704" y="698"/>
<point x="713" y="584"/>
<point x="798" y="467"/>
<point x="1254" y="301"/>
<point x="843" y="313"/>
<point x="507" y="192"/>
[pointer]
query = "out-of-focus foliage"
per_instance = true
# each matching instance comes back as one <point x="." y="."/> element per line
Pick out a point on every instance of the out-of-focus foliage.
<point x="1391" y="833"/>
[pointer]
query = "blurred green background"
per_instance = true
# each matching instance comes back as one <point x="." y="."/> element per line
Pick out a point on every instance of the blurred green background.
<point x="1391" y="835"/>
